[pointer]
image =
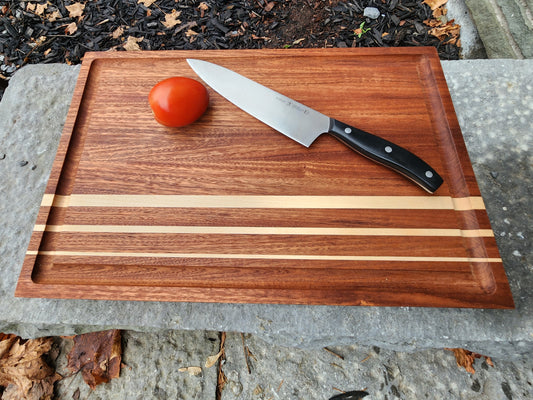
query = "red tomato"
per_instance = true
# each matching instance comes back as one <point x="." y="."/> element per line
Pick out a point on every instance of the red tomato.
<point x="178" y="101"/>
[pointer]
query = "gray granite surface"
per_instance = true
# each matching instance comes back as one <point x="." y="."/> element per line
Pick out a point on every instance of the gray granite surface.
<point x="256" y="369"/>
<point x="505" y="27"/>
<point x="494" y="104"/>
<point x="154" y="366"/>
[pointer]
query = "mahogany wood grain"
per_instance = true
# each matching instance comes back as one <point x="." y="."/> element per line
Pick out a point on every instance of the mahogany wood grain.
<point x="228" y="210"/>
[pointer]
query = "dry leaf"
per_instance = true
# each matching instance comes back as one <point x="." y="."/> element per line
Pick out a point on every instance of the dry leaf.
<point x="440" y="13"/>
<point x="193" y="371"/>
<point x="131" y="43"/>
<point x="117" y="32"/>
<point x="190" y="33"/>
<point x="212" y="360"/>
<point x="75" y="10"/>
<point x="433" y="4"/>
<point x="203" y="7"/>
<point x="24" y="374"/>
<point x="71" y="28"/>
<point x="38" y="9"/>
<point x="54" y="16"/>
<point x="147" y="3"/>
<point x="449" y="32"/>
<point x="97" y="355"/>
<point x="171" y="20"/>
<point x="466" y="359"/>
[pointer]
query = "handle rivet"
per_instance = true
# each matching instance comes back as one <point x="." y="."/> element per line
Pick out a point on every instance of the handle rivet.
<point x="388" y="149"/>
<point x="348" y="130"/>
<point x="429" y="174"/>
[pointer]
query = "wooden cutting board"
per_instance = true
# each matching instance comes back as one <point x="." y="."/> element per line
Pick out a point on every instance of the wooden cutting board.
<point x="229" y="210"/>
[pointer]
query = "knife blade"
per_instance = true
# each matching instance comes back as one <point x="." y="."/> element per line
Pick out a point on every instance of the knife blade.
<point x="303" y="124"/>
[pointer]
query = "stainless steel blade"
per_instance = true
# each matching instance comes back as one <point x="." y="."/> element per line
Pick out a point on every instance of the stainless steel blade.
<point x="293" y="119"/>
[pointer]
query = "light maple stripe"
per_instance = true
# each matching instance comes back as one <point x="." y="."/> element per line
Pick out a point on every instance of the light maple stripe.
<point x="260" y="230"/>
<point x="260" y="256"/>
<point x="312" y="202"/>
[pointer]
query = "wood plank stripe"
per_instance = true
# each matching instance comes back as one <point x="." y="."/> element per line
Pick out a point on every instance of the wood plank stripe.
<point x="260" y="230"/>
<point x="207" y="201"/>
<point x="263" y="256"/>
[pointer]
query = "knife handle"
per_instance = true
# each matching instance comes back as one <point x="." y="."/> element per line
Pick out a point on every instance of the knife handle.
<point x="388" y="154"/>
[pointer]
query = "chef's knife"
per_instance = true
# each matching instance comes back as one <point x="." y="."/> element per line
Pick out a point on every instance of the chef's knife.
<point x="304" y="125"/>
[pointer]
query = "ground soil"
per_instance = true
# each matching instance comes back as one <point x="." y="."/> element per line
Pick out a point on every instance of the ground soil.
<point x="61" y="31"/>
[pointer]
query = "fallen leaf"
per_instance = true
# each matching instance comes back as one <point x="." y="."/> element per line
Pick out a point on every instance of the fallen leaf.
<point x="203" y="7"/>
<point x="24" y="374"/>
<point x="190" y="33"/>
<point x="75" y="10"/>
<point x="117" y="32"/>
<point x="298" y="41"/>
<point x="432" y="22"/>
<point x="54" y="16"/>
<point x="38" y="9"/>
<point x="71" y="28"/>
<point x="147" y="3"/>
<point x="433" y="4"/>
<point x="131" y="43"/>
<point x="440" y="13"/>
<point x="40" y="40"/>
<point x="466" y="359"/>
<point x="211" y="360"/>
<point x="447" y="33"/>
<point x="171" y="20"/>
<point x="97" y="355"/>
<point x="193" y="371"/>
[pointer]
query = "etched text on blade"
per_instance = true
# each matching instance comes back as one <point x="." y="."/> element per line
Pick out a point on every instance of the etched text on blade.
<point x="293" y="119"/>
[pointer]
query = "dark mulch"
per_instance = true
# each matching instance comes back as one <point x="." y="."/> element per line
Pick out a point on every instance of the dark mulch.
<point x="61" y="31"/>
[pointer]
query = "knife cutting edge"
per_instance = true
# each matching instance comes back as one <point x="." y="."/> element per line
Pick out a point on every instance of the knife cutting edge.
<point x="304" y="125"/>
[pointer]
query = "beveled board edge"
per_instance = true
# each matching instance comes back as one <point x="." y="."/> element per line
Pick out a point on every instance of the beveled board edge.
<point x="494" y="294"/>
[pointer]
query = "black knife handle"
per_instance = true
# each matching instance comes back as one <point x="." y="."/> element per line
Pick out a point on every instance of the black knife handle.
<point x="388" y="154"/>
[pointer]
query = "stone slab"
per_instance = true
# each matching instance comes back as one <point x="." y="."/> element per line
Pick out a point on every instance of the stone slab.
<point x="494" y="105"/>
<point x="471" y="45"/>
<point x="256" y="369"/>
<point x="505" y="26"/>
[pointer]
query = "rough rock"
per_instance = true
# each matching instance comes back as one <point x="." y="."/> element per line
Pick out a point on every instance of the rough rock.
<point x="371" y="12"/>
<point x="505" y="26"/>
<point x="256" y="369"/>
